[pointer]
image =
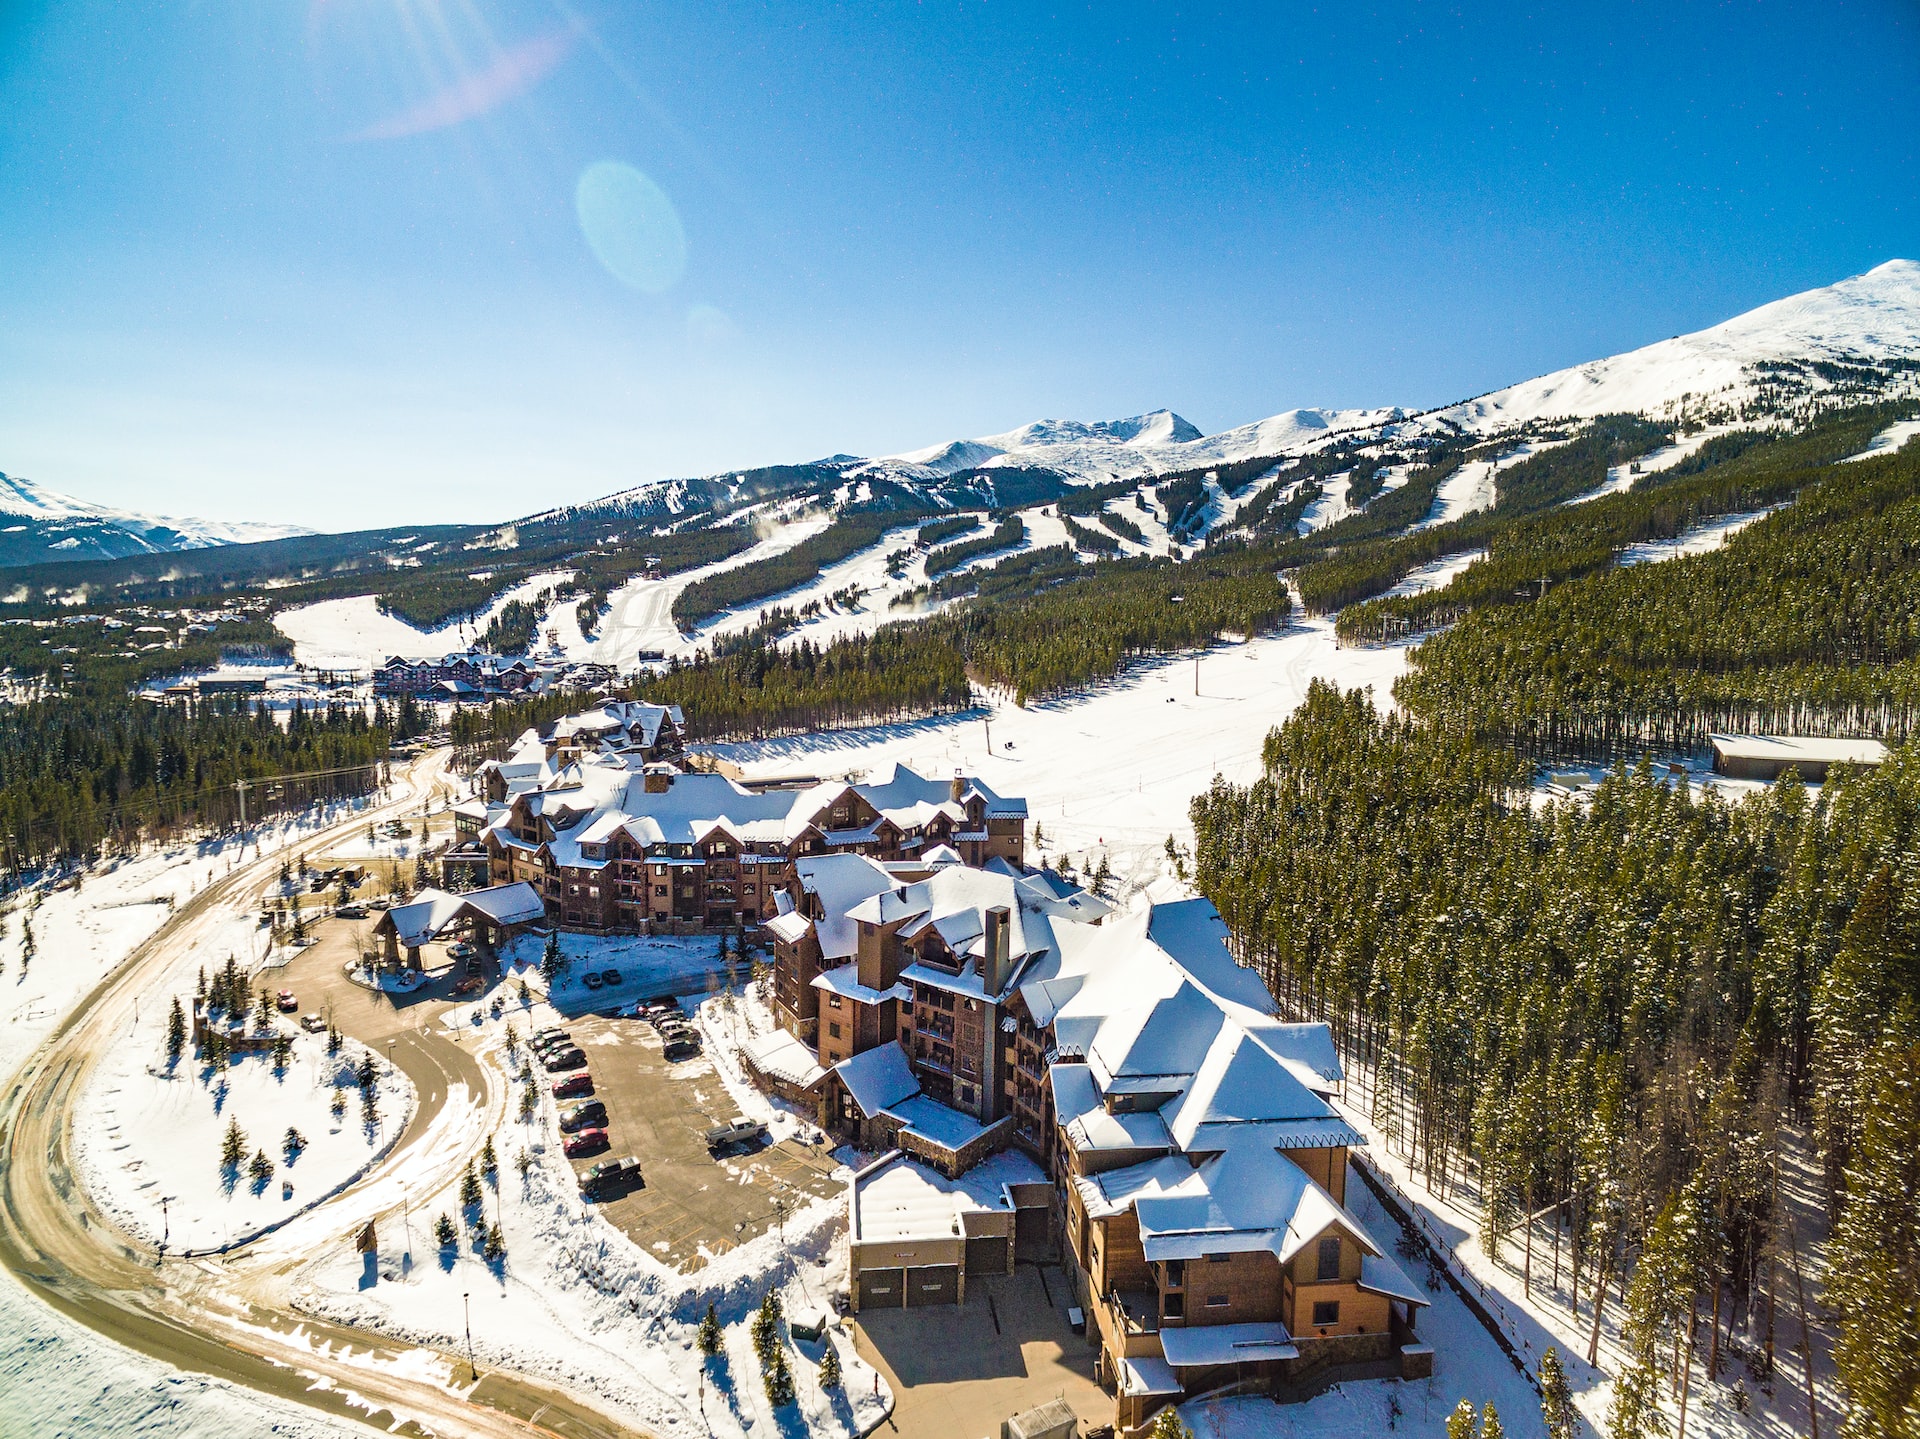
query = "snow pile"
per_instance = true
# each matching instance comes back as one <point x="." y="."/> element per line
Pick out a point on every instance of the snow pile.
<point x="145" y="1131"/>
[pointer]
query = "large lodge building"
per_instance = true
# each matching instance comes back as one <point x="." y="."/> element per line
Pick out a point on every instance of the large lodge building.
<point x="1042" y="1072"/>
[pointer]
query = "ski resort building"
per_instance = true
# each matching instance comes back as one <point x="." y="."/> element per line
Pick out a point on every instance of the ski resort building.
<point x="592" y="812"/>
<point x="1197" y="1169"/>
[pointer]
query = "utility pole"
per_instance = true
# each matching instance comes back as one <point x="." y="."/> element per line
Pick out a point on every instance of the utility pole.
<point x="1196" y="676"/>
<point x="988" y="722"/>
<point x="240" y="788"/>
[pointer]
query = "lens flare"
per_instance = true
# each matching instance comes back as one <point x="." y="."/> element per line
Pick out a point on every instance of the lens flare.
<point x="631" y="226"/>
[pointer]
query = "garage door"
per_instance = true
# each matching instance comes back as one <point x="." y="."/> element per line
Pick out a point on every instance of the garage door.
<point x="881" y="1288"/>
<point x="987" y="1254"/>
<point x="933" y="1284"/>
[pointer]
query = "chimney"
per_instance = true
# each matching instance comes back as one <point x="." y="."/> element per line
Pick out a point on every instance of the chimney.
<point x="993" y="973"/>
<point x="659" y="781"/>
<point x="957" y="787"/>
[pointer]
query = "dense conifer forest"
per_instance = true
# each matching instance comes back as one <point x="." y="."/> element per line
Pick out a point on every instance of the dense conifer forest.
<point x="1623" y="1009"/>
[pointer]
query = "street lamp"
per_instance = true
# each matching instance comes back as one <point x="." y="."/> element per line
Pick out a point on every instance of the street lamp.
<point x="473" y="1373"/>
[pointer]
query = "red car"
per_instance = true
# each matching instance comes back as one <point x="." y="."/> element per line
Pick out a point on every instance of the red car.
<point x="574" y="1086"/>
<point x="587" y="1141"/>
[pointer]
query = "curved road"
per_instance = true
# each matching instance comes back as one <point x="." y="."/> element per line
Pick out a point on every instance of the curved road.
<point x="206" y="1315"/>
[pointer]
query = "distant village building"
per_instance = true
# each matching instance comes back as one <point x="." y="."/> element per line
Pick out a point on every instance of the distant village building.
<point x="1767" y="757"/>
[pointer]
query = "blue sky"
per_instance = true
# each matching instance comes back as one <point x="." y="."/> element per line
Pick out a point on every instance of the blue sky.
<point x="345" y="262"/>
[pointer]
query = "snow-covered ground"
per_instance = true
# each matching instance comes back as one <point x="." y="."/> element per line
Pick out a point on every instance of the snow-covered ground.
<point x="1697" y="539"/>
<point x="1470" y="488"/>
<point x="1623" y="477"/>
<point x="354" y="633"/>
<point x="576" y="1302"/>
<point x="648" y="965"/>
<point x="59" y="1380"/>
<point x="1889" y="440"/>
<point x="1073" y="757"/>
<point x="1331" y="506"/>
<point x="146" y="1131"/>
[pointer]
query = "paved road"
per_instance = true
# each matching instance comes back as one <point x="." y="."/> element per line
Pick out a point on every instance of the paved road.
<point x="189" y="1313"/>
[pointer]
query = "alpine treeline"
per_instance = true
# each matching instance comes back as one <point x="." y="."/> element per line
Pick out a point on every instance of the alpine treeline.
<point x="1615" y="1017"/>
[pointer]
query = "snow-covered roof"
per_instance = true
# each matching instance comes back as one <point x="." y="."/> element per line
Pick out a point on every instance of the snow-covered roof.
<point x="934" y="1122"/>
<point x="878" y="1078"/>
<point x="431" y="911"/>
<point x="840" y="882"/>
<point x="844" y="980"/>
<point x="778" y="1055"/>
<point x="1202" y="1346"/>
<point x="895" y="1200"/>
<point x="1798" y="749"/>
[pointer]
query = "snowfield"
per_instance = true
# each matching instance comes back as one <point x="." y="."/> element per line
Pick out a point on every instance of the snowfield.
<point x="355" y="633"/>
<point x="144" y="1131"/>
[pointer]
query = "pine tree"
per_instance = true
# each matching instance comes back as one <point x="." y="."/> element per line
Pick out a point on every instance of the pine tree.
<point x="444" y="1232"/>
<point x="1875" y="1265"/>
<point x="779" y="1379"/>
<point x="828" y="1375"/>
<point x="1462" y="1423"/>
<point x="176" y="1031"/>
<point x="469" y="1188"/>
<point x="233" y="1146"/>
<point x="489" y="1161"/>
<point x="263" y="1010"/>
<point x="552" y="962"/>
<point x="495" y="1248"/>
<point x="1556" y="1398"/>
<point x="529" y="1103"/>
<point x="1168" y="1424"/>
<point x="1490" y="1426"/>
<point x="338" y="1106"/>
<point x="260" y="1169"/>
<point x="709" y="1337"/>
<point x="291" y="1145"/>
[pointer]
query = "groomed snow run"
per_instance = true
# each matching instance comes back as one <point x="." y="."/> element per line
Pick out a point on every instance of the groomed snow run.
<point x="355" y="633"/>
<point x="1889" y="440"/>
<point x="1698" y="539"/>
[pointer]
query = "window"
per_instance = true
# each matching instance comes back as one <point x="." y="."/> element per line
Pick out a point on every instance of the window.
<point x="834" y="1001"/>
<point x="966" y="1094"/>
<point x="1329" y="1259"/>
<point x="661" y="890"/>
<point x="1218" y="1301"/>
<point x="1326" y="1312"/>
<point x="1174" y="1306"/>
<point x="1176" y="1273"/>
<point x="1218" y="1258"/>
<point x="834" y="1029"/>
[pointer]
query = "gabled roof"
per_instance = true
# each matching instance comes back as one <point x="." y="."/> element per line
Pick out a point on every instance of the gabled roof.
<point x="878" y="1078"/>
<point x="1238" y="1083"/>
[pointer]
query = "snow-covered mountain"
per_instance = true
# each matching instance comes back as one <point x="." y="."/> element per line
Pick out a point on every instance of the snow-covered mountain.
<point x="39" y="524"/>
<point x="1870" y="318"/>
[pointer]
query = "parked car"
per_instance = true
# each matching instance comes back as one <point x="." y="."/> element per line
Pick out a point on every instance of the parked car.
<point x="351" y="911"/>
<point x="678" y="1049"/>
<point x="462" y="950"/>
<point x="560" y="1059"/>
<point x="686" y="1032"/>
<point x="573" y="1086"/>
<point x="542" y="1036"/>
<point x="286" y="1002"/>
<point x="610" y="1177"/>
<point x="313" y="1023"/>
<point x="587" y="1141"/>
<point x="591" y="1115"/>
<point x="735" y="1132"/>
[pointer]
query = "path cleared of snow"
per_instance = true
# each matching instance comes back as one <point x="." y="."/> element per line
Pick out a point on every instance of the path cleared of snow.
<point x="145" y="1131"/>
<point x="354" y="633"/>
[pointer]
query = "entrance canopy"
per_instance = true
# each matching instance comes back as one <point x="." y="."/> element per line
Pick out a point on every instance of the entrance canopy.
<point x="433" y="912"/>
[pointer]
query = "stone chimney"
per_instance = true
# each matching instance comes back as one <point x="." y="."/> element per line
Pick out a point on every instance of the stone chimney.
<point x="958" y="786"/>
<point x="993" y="971"/>
<point x="659" y="781"/>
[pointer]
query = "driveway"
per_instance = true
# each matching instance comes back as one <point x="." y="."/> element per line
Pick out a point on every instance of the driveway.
<point x="958" y="1370"/>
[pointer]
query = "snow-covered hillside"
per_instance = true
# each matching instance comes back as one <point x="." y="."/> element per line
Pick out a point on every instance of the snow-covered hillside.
<point x="1870" y="317"/>
<point x="41" y="524"/>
